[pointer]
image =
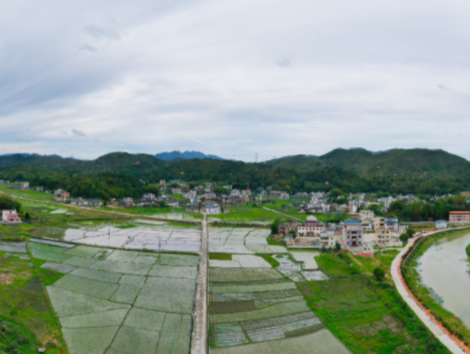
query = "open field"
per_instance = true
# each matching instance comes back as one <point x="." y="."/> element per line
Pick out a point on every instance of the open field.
<point x="129" y="301"/>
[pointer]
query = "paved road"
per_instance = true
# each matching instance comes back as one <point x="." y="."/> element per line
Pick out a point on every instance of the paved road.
<point x="448" y="340"/>
<point x="200" y="326"/>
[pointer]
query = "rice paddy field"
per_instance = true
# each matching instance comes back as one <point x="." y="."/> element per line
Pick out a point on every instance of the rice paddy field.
<point x="241" y="241"/>
<point x="259" y="310"/>
<point x="247" y="214"/>
<point x="120" y="301"/>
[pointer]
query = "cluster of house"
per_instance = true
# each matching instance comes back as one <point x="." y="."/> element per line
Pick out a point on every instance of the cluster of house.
<point x="379" y="230"/>
<point x="321" y="202"/>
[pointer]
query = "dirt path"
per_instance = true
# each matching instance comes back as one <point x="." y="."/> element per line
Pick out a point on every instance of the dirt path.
<point x="452" y="343"/>
<point x="200" y="325"/>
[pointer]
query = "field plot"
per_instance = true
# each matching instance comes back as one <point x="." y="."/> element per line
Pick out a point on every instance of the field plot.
<point x="293" y="270"/>
<point x="240" y="261"/>
<point x="241" y="241"/>
<point x="155" y="238"/>
<point x="253" y="310"/>
<point x="127" y="301"/>
<point x="308" y="259"/>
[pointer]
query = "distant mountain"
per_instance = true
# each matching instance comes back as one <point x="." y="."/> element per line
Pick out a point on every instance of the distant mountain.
<point x="24" y="154"/>
<point x="187" y="155"/>
<point x="391" y="162"/>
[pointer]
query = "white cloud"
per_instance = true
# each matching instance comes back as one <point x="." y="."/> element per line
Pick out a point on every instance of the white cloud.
<point x="233" y="77"/>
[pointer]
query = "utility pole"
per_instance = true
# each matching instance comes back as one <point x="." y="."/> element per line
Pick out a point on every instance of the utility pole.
<point x="256" y="157"/>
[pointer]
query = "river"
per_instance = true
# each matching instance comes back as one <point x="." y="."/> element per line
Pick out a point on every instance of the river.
<point x="443" y="267"/>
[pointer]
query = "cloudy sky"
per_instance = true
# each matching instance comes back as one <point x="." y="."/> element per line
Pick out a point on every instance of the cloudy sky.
<point x="233" y="78"/>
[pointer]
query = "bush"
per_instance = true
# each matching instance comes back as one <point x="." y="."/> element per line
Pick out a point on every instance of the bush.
<point x="379" y="274"/>
<point x="7" y="203"/>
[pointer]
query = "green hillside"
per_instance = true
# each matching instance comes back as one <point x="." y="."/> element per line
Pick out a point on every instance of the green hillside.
<point x="409" y="162"/>
<point x="119" y="174"/>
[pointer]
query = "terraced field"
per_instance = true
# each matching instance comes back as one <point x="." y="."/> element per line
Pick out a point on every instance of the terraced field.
<point x="259" y="310"/>
<point x="120" y="301"/>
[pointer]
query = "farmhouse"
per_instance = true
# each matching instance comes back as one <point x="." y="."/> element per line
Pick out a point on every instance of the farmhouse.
<point x="10" y="216"/>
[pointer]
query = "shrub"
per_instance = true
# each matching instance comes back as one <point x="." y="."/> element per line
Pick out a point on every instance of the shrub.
<point x="379" y="274"/>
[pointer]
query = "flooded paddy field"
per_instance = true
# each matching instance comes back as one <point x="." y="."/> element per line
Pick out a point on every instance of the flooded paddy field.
<point x="241" y="241"/>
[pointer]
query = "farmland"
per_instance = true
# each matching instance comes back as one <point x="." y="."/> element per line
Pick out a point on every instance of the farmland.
<point x="254" y="308"/>
<point x="127" y="301"/>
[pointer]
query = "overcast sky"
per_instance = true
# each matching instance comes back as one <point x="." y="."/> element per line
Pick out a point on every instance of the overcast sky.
<point x="233" y="78"/>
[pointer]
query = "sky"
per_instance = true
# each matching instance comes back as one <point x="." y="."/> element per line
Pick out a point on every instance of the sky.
<point x="233" y="78"/>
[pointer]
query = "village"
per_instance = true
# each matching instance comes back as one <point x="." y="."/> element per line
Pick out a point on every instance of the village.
<point x="358" y="229"/>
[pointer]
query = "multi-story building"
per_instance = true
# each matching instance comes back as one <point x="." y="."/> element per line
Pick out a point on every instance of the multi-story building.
<point x="391" y="223"/>
<point x="379" y="222"/>
<point x="288" y="227"/>
<point x="352" y="233"/>
<point x="315" y="227"/>
<point x="459" y="217"/>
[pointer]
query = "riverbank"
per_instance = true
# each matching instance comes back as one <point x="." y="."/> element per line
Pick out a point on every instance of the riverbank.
<point x="426" y="296"/>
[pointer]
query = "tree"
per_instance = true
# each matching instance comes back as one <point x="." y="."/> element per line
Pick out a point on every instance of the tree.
<point x="335" y="193"/>
<point x="162" y="204"/>
<point x="8" y="203"/>
<point x="338" y="246"/>
<point x="27" y="217"/>
<point x="404" y="238"/>
<point x="294" y="234"/>
<point x="410" y="232"/>
<point x="274" y="228"/>
<point x="379" y="274"/>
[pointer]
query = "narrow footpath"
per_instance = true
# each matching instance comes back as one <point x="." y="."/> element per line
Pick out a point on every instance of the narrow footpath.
<point x="287" y="216"/>
<point x="452" y="343"/>
<point x="200" y="325"/>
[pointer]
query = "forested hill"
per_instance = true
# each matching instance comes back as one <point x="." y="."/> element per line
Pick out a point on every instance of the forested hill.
<point x="405" y="162"/>
<point x="119" y="174"/>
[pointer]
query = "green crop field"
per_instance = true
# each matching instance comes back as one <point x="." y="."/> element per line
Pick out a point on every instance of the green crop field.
<point x="247" y="214"/>
<point x="35" y="195"/>
<point x="366" y="315"/>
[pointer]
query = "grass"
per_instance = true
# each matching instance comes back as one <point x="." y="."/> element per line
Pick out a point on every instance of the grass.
<point x="425" y="296"/>
<point x="26" y="317"/>
<point x="35" y="195"/>
<point x="367" y="316"/>
<point x="337" y="264"/>
<point x="220" y="256"/>
<point x="270" y="259"/>
<point x="247" y="214"/>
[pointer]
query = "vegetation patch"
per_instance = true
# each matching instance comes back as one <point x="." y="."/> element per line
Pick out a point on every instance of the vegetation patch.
<point x="366" y="315"/>
<point x="220" y="256"/>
